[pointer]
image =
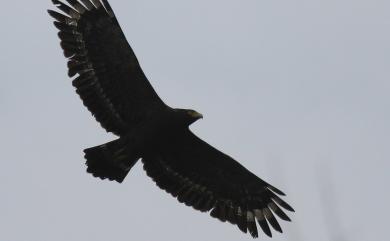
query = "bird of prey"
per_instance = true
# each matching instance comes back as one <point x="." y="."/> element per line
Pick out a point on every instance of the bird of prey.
<point x="112" y="85"/>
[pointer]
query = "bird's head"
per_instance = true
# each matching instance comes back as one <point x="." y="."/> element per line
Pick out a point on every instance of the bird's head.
<point x="188" y="116"/>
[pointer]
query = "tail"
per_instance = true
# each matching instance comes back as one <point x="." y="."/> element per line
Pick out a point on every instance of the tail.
<point x="111" y="160"/>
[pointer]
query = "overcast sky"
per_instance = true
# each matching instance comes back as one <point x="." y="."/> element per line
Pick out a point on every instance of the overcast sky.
<point x="297" y="91"/>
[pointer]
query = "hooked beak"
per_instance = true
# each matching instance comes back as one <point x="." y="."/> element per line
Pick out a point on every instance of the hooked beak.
<point x="197" y="115"/>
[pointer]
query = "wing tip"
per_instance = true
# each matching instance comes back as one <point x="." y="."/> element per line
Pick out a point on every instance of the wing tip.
<point x="277" y="199"/>
<point x="275" y="190"/>
<point x="52" y="13"/>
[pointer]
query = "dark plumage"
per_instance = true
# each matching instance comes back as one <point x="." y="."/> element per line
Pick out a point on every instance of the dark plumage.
<point x="114" y="88"/>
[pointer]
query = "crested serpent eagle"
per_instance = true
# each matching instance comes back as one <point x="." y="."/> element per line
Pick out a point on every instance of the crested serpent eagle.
<point x="114" y="88"/>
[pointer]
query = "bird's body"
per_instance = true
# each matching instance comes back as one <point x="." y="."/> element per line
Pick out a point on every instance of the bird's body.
<point x="114" y="88"/>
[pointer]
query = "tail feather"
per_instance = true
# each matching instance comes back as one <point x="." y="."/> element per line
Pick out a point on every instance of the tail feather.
<point x="111" y="160"/>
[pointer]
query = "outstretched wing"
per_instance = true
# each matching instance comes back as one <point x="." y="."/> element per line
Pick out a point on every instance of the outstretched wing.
<point x="202" y="177"/>
<point x="110" y="81"/>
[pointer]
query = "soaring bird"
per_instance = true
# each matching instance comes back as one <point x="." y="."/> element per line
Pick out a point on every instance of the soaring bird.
<point x="112" y="85"/>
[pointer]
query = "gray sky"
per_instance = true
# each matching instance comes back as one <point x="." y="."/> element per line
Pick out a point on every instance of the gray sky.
<point x="297" y="91"/>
